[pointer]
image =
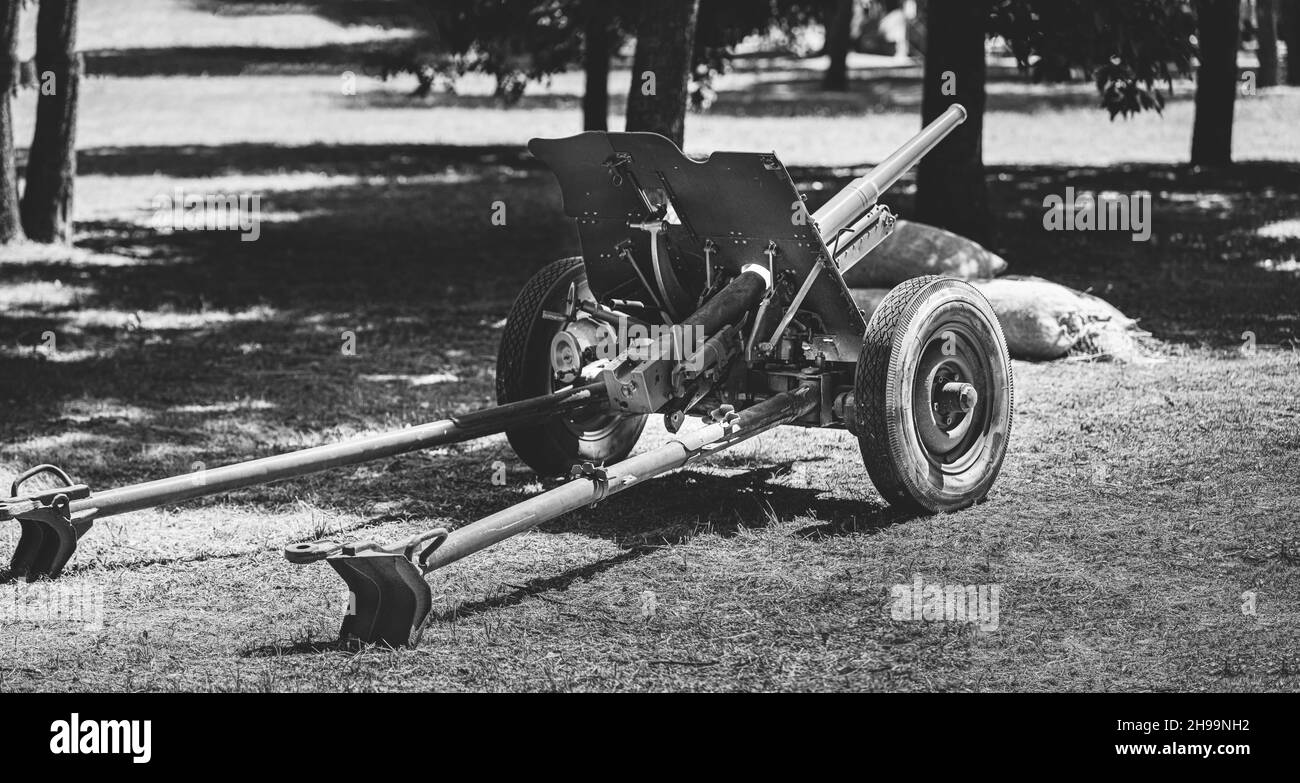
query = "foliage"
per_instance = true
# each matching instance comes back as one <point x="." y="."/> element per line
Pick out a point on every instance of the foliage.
<point x="725" y="23"/>
<point x="1128" y="47"/>
<point x="522" y="41"/>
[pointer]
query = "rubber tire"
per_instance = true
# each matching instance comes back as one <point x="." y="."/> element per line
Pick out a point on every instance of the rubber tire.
<point x="524" y="371"/>
<point x="891" y="448"/>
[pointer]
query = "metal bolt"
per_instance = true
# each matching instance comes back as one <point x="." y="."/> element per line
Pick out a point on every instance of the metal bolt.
<point x="956" y="397"/>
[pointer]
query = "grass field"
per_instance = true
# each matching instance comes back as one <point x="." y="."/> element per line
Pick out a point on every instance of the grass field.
<point x="1136" y="506"/>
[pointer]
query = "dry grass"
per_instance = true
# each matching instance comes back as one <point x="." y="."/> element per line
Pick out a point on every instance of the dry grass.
<point x="1135" y="508"/>
<point x="1118" y="535"/>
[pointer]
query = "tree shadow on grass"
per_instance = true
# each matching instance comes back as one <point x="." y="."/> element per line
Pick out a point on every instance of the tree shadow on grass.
<point x="419" y="262"/>
<point x="388" y="160"/>
<point x="410" y="262"/>
<point x="414" y="269"/>
<point x="1202" y="278"/>
<point x="688" y="503"/>
<point x="327" y="60"/>
<point x="896" y="91"/>
<point x="792" y="91"/>
<point x="413" y="264"/>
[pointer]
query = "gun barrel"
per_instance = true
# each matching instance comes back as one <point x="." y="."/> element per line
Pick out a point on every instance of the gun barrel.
<point x="862" y="193"/>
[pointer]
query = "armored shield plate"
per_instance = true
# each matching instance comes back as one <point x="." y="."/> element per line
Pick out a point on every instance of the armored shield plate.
<point x="740" y="202"/>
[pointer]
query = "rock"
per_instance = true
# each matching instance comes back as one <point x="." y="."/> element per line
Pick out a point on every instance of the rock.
<point x="1045" y="320"/>
<point x="916" y="249"/>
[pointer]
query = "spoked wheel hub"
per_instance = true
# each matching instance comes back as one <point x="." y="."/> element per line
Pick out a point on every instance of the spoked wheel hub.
<point x="543" y="350"/>
<point x="572" y="347"/>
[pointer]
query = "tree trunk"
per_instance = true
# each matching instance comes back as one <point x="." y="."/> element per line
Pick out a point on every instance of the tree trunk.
<point x="595" y="62"/>
<point x="951" y="192"/>
<point x="1216" y="82"/>
<point x="10" y="224"/>
<point x="839" y="32"/>
<point x="1266" y="25"/>
<point x="661" y="68"/>
<point x="52" y="162"/>
<point x="1288" y="22"/>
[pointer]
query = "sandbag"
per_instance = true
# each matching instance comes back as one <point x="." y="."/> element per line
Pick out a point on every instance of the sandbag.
<point x="1045" y="320"/>
<point x="868" y="299"/>
<point x="916" y="249"/>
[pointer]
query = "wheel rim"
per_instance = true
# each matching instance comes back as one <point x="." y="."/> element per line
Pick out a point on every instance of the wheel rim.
<point x="952" y="435"/>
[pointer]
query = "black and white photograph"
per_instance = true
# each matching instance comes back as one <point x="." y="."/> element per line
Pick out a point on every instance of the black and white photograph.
<point x="672" y="346"/>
